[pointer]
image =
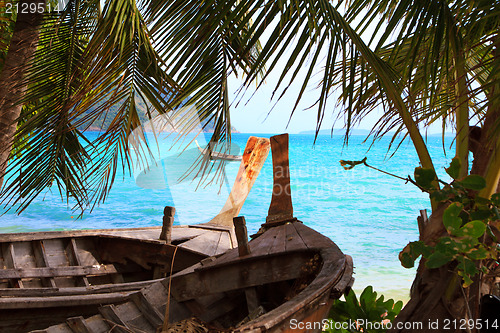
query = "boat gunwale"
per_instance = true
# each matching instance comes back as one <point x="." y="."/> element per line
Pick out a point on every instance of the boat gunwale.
<point x="68" y="291"/>
<point x="312" y="294"/>
<point x="55" y="234"/>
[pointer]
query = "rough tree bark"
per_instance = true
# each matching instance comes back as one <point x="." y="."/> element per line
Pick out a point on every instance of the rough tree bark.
<point x="12" y="86"/>
<point x="437" y="294"/>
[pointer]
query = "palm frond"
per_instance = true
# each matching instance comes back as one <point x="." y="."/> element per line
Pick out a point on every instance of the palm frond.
<point x="203" y="42"/>
<point x="88" y="63"/>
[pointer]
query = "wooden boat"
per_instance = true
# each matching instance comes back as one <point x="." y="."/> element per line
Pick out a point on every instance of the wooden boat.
<point x="215" y="155"/>
<point x="74" y="275"/>
<point x="49" y="276"/>
<point x="283" y="280"/>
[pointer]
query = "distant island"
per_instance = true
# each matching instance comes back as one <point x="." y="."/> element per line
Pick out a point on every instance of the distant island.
<point x="365" y="132"/>
<point x="338" y="132"/>
<point x="104" y="121"/>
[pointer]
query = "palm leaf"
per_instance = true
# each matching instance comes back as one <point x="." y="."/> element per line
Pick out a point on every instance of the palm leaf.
<point x="87" y="63"/>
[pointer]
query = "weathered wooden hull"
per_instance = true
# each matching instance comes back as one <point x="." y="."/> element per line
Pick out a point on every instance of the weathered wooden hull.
<point x="48" y="276"/>
<point x="292" y="274"/>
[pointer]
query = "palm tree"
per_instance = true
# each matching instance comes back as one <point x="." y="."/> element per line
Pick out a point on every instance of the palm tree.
<point x="20" y="42"/>
<point x="88" y="61"/>
<point x="69" y="54"/>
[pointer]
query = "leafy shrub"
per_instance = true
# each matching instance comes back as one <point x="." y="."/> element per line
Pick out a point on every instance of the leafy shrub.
<point x="368" y="315"/>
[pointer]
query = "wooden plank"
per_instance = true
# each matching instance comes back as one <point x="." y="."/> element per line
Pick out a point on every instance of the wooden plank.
<point x="97" y="324"/>
<point x="78" y="325"/>
<point x="146" y="253"/>
<point x="249" y="273"/>
<point x="281" y="207"/>
<point x="85" y="251"/>
<point x="73" y="249"/>
<point x="62" y="301"/>
<point x="206" y="243"/>
<point x="24" y="255"/>
<point x="263" y="245"/>
<point x="185" y="232"/>
<point x="293" y="240"/>
<point x="254" y="156"/>
<point x="252" y="299"/>
<point x="57" y="271"/>
<point x="110" y="313"/>
<point x="312" y="238"/>
<point x="232" y="256"/>
<point x="10" y="260"/>
<point x="133" y="317"/>
<point x="25" y="258"/>
<point x="345" y="282"/>
<point x="240" y="229"/>
<point x="147" y="309"/>
<point x="56" y="254"/>
<point x="41" y="258"/>
<point x="224" y="244"/>
<point x="279" y="241"/>
<point x="94" y="289"/>
<point x="29" y="236"/>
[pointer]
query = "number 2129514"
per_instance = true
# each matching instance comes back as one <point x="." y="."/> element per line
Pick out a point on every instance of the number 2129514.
<point x="32" y="8"/>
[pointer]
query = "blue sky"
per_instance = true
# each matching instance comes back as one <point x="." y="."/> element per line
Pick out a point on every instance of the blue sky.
<point x="260" y="114"/>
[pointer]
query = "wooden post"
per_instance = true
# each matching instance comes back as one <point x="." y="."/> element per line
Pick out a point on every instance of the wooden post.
<point x="281" y="208"/>
<point x="240" y="229"/>
<point x="168" y="222"/>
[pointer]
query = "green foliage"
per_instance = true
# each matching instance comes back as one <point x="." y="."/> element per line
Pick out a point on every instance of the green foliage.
<point x="451" y="218"/>
<point x="369" y="314"/>
<point x="425" y="177"/>
<point x="466" y="221"/>
<point x="454" y="169"/>
<point x="473" y="182"/>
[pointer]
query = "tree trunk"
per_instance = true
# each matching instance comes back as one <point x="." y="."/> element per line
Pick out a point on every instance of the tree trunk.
<point x="437" y="296"/>
<point x="12" y="86"/>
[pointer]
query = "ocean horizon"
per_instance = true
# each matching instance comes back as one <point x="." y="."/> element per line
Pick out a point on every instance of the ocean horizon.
<point x="371" y="216"/>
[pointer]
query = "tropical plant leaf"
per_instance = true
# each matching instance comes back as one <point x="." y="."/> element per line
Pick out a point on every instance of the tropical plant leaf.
<point x="451" y="218"/>
<point x="87" y="62"/>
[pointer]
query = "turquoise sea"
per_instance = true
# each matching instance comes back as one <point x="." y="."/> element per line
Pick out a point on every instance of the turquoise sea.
<point x="370" y="215"/>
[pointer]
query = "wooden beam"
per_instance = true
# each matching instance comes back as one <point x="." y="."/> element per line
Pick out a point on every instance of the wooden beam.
<point x="66" y="291"/>
<point x="281" y="208"/>
<point x="10" y="259"/>
<point x="20" y="273"/>
<point x="254" y="156"/>
<point x="168" y="222"/>
<point x="147" y="310"/>
<point x="251" y="273"/>
<point x="74" y="252"/>
<point x="41" y="260"/>
<point x="61" y="301"/>
<point x="78" y="325"/>
<point x="240" y="230"/>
